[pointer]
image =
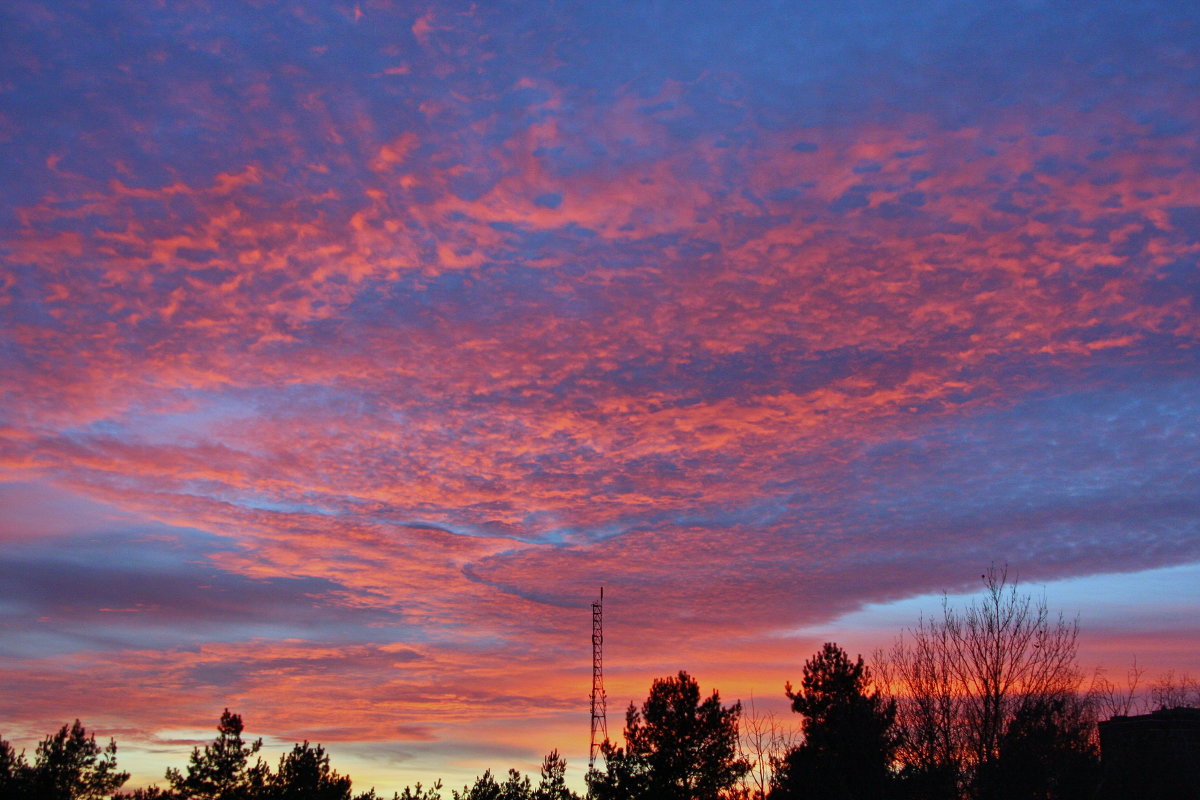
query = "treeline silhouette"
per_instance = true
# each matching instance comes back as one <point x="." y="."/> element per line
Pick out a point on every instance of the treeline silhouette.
<point x="980" y="703"/>
<point x="70" y="765"/>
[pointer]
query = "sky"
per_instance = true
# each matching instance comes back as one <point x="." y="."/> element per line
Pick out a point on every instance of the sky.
<point x="347" y="349"/>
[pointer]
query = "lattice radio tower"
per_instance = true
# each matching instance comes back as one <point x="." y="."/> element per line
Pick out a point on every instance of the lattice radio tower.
<point x="599" y="717"/>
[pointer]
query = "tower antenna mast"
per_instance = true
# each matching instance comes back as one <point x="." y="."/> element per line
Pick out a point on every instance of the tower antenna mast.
<point x="599" y="699"/>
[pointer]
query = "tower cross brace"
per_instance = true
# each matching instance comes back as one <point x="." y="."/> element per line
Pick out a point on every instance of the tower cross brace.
<point x="599" y="699"/>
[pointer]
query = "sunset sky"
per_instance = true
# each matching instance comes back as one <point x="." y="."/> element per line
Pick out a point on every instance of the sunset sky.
<point x="347" y="349"/>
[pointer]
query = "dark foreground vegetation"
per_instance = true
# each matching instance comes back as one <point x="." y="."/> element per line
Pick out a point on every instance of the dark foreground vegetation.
<point x="982" y="703"/>
<point x="70" y="765"/>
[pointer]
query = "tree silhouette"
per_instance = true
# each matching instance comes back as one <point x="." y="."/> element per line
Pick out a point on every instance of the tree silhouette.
<point x="1171" y="692"/>
<point x="763" y="744"/>
<point x="920" y="674"/>
<point x="676" y="747"/>
<point x="148" y="793"/>
<point x="14" y="771"/>
<point x="69" y="765"/>
<point x="484" y="788"/>
<point x="1007" y="647"/>
<point x="849" y="732"/>
<point x="417" y="792"/>
<point x="962" y="678"/>
<point x="1047" y="752"/>
<point x="553" y="785"/>
<point x="516" y="787"/>
<point x="305" y="774"/>
<point x="222" y="770"/>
